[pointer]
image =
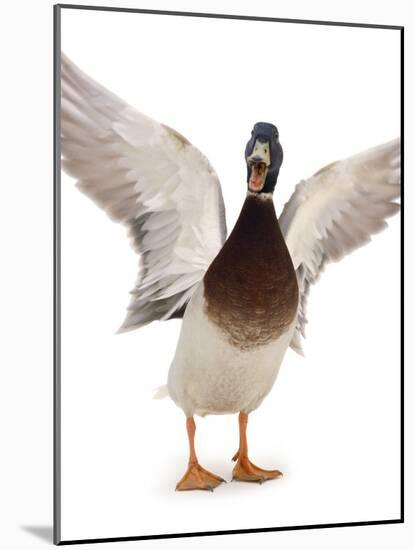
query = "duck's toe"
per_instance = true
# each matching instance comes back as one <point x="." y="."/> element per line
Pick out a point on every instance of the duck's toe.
<point x="235" y="456"/>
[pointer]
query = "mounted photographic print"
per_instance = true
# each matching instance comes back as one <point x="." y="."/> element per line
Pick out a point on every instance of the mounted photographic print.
<point x="228" y="265"/>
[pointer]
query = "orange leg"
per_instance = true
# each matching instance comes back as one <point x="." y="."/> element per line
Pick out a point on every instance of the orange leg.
<point x="244" y="470"/>
<point x="196" y="477"/>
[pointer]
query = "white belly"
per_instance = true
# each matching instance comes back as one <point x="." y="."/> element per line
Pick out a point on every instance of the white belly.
<point x="210" y="376"/>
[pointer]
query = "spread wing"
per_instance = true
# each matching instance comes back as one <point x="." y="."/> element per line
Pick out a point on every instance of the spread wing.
<point x="336" y="211"/>
<point x="150" y="178"/>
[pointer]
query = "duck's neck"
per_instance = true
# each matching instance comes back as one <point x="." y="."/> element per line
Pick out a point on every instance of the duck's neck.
<point x="257" y="221"/>
<point x="256" y="240"/>
<point x="262" y="196"/>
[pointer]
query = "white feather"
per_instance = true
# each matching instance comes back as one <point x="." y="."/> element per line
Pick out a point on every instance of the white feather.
<point x="150" y="178"/>
<point x="209" y="375"/>
<point x="336" y="211"/>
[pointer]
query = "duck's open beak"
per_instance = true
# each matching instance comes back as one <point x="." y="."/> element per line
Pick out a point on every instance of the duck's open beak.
<point x="258" y="175"/>
<point x="259" y="161"/>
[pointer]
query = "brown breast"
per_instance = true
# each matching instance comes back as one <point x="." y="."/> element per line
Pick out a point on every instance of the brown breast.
<point x="250" y="289"/>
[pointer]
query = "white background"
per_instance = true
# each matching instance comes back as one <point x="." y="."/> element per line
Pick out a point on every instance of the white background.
<point x="26" y="474"/>
<point x="332" y="422"/>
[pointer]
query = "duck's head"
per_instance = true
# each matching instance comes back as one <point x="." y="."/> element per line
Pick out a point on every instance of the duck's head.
<point x="264" y="156"/>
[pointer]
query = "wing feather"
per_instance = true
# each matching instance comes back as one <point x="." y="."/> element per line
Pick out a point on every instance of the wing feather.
<point x="336" y="211"/>
<point x="150" y="178"/>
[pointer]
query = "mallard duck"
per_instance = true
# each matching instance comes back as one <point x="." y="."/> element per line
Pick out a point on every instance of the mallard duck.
<point x="242" y="300"/>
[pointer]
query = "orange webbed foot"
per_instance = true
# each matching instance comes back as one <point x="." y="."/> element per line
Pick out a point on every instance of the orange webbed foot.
<point x="245" y="470"/>
<point x="197" y="477"/>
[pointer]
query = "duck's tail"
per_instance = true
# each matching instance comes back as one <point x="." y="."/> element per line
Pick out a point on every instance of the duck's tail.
<point x="161" y="392"/>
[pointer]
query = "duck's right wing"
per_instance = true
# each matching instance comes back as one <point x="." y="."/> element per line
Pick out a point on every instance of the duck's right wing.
<point x="150" y="178"/>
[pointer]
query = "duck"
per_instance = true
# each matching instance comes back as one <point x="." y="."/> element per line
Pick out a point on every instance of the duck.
<point x="242" y="297"/>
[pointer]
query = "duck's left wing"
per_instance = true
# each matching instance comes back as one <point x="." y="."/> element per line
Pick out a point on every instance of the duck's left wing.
<point x="336" y="211"/>
<point x="151" y="179"/>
